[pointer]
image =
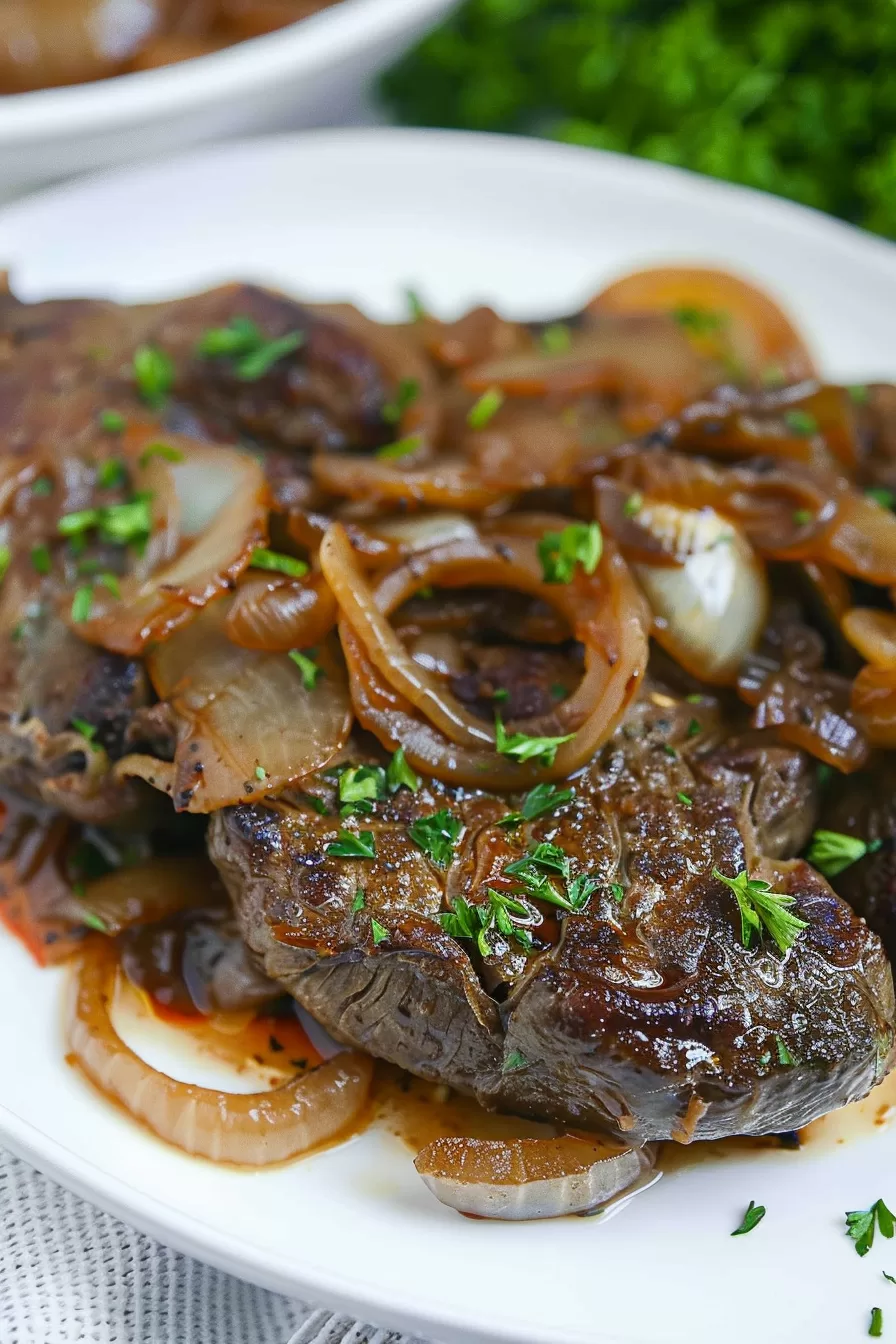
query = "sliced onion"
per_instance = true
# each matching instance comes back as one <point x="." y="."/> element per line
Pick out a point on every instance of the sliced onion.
<point x="709" y="610"/>
<point x="874" y="699"/>
<point x="873" y="633"/>
<point x="447" y="483"/>
<point x="246" y="724"/>
<point x="146" y="892"/>
<point x="517" y="1179"/>
<point x="757" y="331"/>
<point x="420" y="532"/>
<point x="225" y="498"/>
<point x="252" y="1129"/>
<point x="278" y="614"/>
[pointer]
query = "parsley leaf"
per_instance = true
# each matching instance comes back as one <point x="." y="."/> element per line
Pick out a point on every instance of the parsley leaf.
<point x="436" y="835"/>
<point x="308" y="668"/>
<point x="461" y="921"/>
<point x="513" y="1061"/>
<point x="82" y="603"/>
<point x="40" y="559"/>
<point x="153" y="374"/>
<point x="399" y="774"/>
<point x="113" y="422"/>
<point x="163" y="450"/>
<point x="110" y="473"/>
<point x="876" y="1327"/>
<point x="358" y="902"/>
<point x="886" y="498"/>
<point x="785" y="1058"/>
<point x="5" y="559"/>
<point x="699" y="321"/>
<point x="360" y="786"/>
<point x="353" y="846"/>
<point x="380" y="934"/>
<point x="392" y="452"/>
<point x="278" y="563"/>
<point x="42" y="487"/>
<point x="760" y="907"/>
<point x="407" y="394"/>
<point x="860" y="1225"/>
<point x="832" y="851"/>
<point x="86" y="729"/>
<point x="240" y="337"/>
<point x="800" y="422"/>
<point x="556" y="338"/>
<point x="560" y="552"/>
<point x="542" y="750"/>
<point x="753" y="1216"/>
<point x="487" y="406"/>
<point x="543" y="798"/>
<point x="254" y="365"/>
<point x="617" y="891"/>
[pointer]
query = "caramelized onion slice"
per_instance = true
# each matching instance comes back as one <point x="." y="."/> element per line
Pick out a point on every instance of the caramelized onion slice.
<point x="146" y="892"/>
<point x="252" y="1129"/>
<point x="709" y="610"/>
<point x="874" y="700"/>
<point x="223" y="512"/>
<point x="518" y="1179"/>
<point x="247" y="723"/>
<point x="873" y="633"/>
<point x="447" y="483"/>
<point x="279" y="614"/>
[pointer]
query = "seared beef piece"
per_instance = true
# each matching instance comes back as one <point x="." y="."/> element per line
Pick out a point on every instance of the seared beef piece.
<point x="645" y="1015"/>
<point x="864" y="805"/>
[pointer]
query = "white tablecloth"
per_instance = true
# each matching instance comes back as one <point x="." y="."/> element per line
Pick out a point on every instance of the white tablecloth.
<point x="72" y="1275"/>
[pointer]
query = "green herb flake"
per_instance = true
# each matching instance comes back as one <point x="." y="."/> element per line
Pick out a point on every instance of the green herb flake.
<point x="695" y="727"/>
<point x="802" y="517"/>
<point x="514" y="1061"/>
<point x="501" y="695"/>
<point x="858" y="394"/>
<point x="393" y="452"/>
<point x="407" y="393"/>
<point x="860" y="1225"/>
<point x="752" y="1218"/>
<point x="73" y="524"/>
<point x="260" y="772"/>
<point x="110" y="583"/>
<point x="876" y="1327"/>
<point x="241" y="336"/>
<point x="82" y="603"/>
<point x="544" y="798"/>
<point x="463" y="920"/>
<point x="558" y="692"/>
<point x="785" y="1058"/>
<point x="556" y="339"/>
<point x="699" y="321"/>
<point x="380" y="934"/>
<point x="801" y="422"/>
<point x="437" y="835"/>
<point x="249" y="368"/>
<point x="358" y="902"/>
<point x="113" y="422"/>
<point x="86" y="729"/>
<point x="400" y="775"/>
<point x="416" y="308"/>
<point x="317" y="804"/>
<point x="761" y="908"/>
<point x="485" y="408"/>
<point x="886" y="498"/>
<point x="560" y="552"/>
<point x="42" y="487"/>
<point x="617" y="891"/>
<point x="889" y="1277"/>
<point x="685" y="799"/>
<point x="542" y="750"/>
<point x="40" y="559"/>
<point x="633" y="505"/>
<point x="127" y="523"/>
<point x="362" y="784"/>
<point x="832" y="851"/>
<point x="110" y="473"/>
<point x="164" y="450"/>
<point x="670" y="751"/>
<point x="94" y="922"/>
<point x="153" y="374"/>
<point x="5" y="561"/>
<point x="308" y="668"/>
<point x="352" y="845"/>
<point x="278" y="563"/>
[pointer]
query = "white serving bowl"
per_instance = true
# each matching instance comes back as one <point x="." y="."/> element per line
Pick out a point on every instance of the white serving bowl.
<point x="308" y="74"/>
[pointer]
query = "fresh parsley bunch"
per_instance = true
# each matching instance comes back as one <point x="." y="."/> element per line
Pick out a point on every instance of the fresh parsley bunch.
<point x="795" y="97"/>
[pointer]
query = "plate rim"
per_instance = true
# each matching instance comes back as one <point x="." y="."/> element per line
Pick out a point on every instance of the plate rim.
<point x="185" y="1233"/>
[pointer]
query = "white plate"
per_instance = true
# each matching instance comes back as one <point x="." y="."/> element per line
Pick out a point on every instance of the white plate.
<point x="535" y="228"/>
<point x="312" y="73"/>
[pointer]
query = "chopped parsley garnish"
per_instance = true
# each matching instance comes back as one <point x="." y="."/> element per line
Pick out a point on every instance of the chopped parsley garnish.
<point x="260" y="772"/>
<point x="860" y="1225"/>
<point x="391" y="452"/>
<point x="669" y="750"/>
<point x="240" y="337"/>
<point x="110" y="473"/>
<point x="514" y="1061"/>
<point x="416" y="310"/>
<point x="685" y="799"/>
<point x="558" y="692"/>
<point x="785" y="1058"/>
<point x="556" y="338"/>
<point x="360" y="786"/>
<point x="82" y="603"/>
<point x="876" y="1327"/>
<point x="5" y="559"/>
<point x="886" y="498"/>
<point x="463" y="920"/>
<point x="40" y="559"/>
<point x="695" y="698"/>
<point x="535" y="872"/>
<point x="380" y="934"/>
<point x="153" y="374"/>
<point x="753" y="1216"/>
<point x="802" y="517"/>
<point x="163" y="450"/>
<point x="544" y="855"/>
<point x="801" y="422"/>
<point x="407" y="394"/>
<point x="889" y="1277"/>
<point x="280" y="564"/>
<point x="699" y="321"/>
<point x="318" y="804"/>
<point x="437" y="835"/>
<point x="358" y="902"/>
<point x="86" y="729"/>
<point x="543" y="798"/>
<point x="858" y="393"/>
<point x="542" y="750"/>
<point x="42" y="487"/>
<point x="501" y="914"/>
<point x="353" y="846"/>
<point x="832" y="851"/>
<point x="400" y="775"/>
<point x="633" y="505"/>
<point x="127" y="523"/>
<point x="308" y="668"/>
<point x="487" y="405"/>
<point x="617" y="891"/>
<point x="760" y="907"/>
<point x="113" y="422"/>
<point x="501" y="694"/>
<point x="250" y="367"/>
<point x="73" y="524"/>
<point x="560" y="552"/>
<point x="695" y="727"/>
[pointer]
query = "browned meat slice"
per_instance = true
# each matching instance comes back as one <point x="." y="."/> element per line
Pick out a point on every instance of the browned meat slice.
<point x="643" y="1010"/>
<point x="864" y="806"/>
